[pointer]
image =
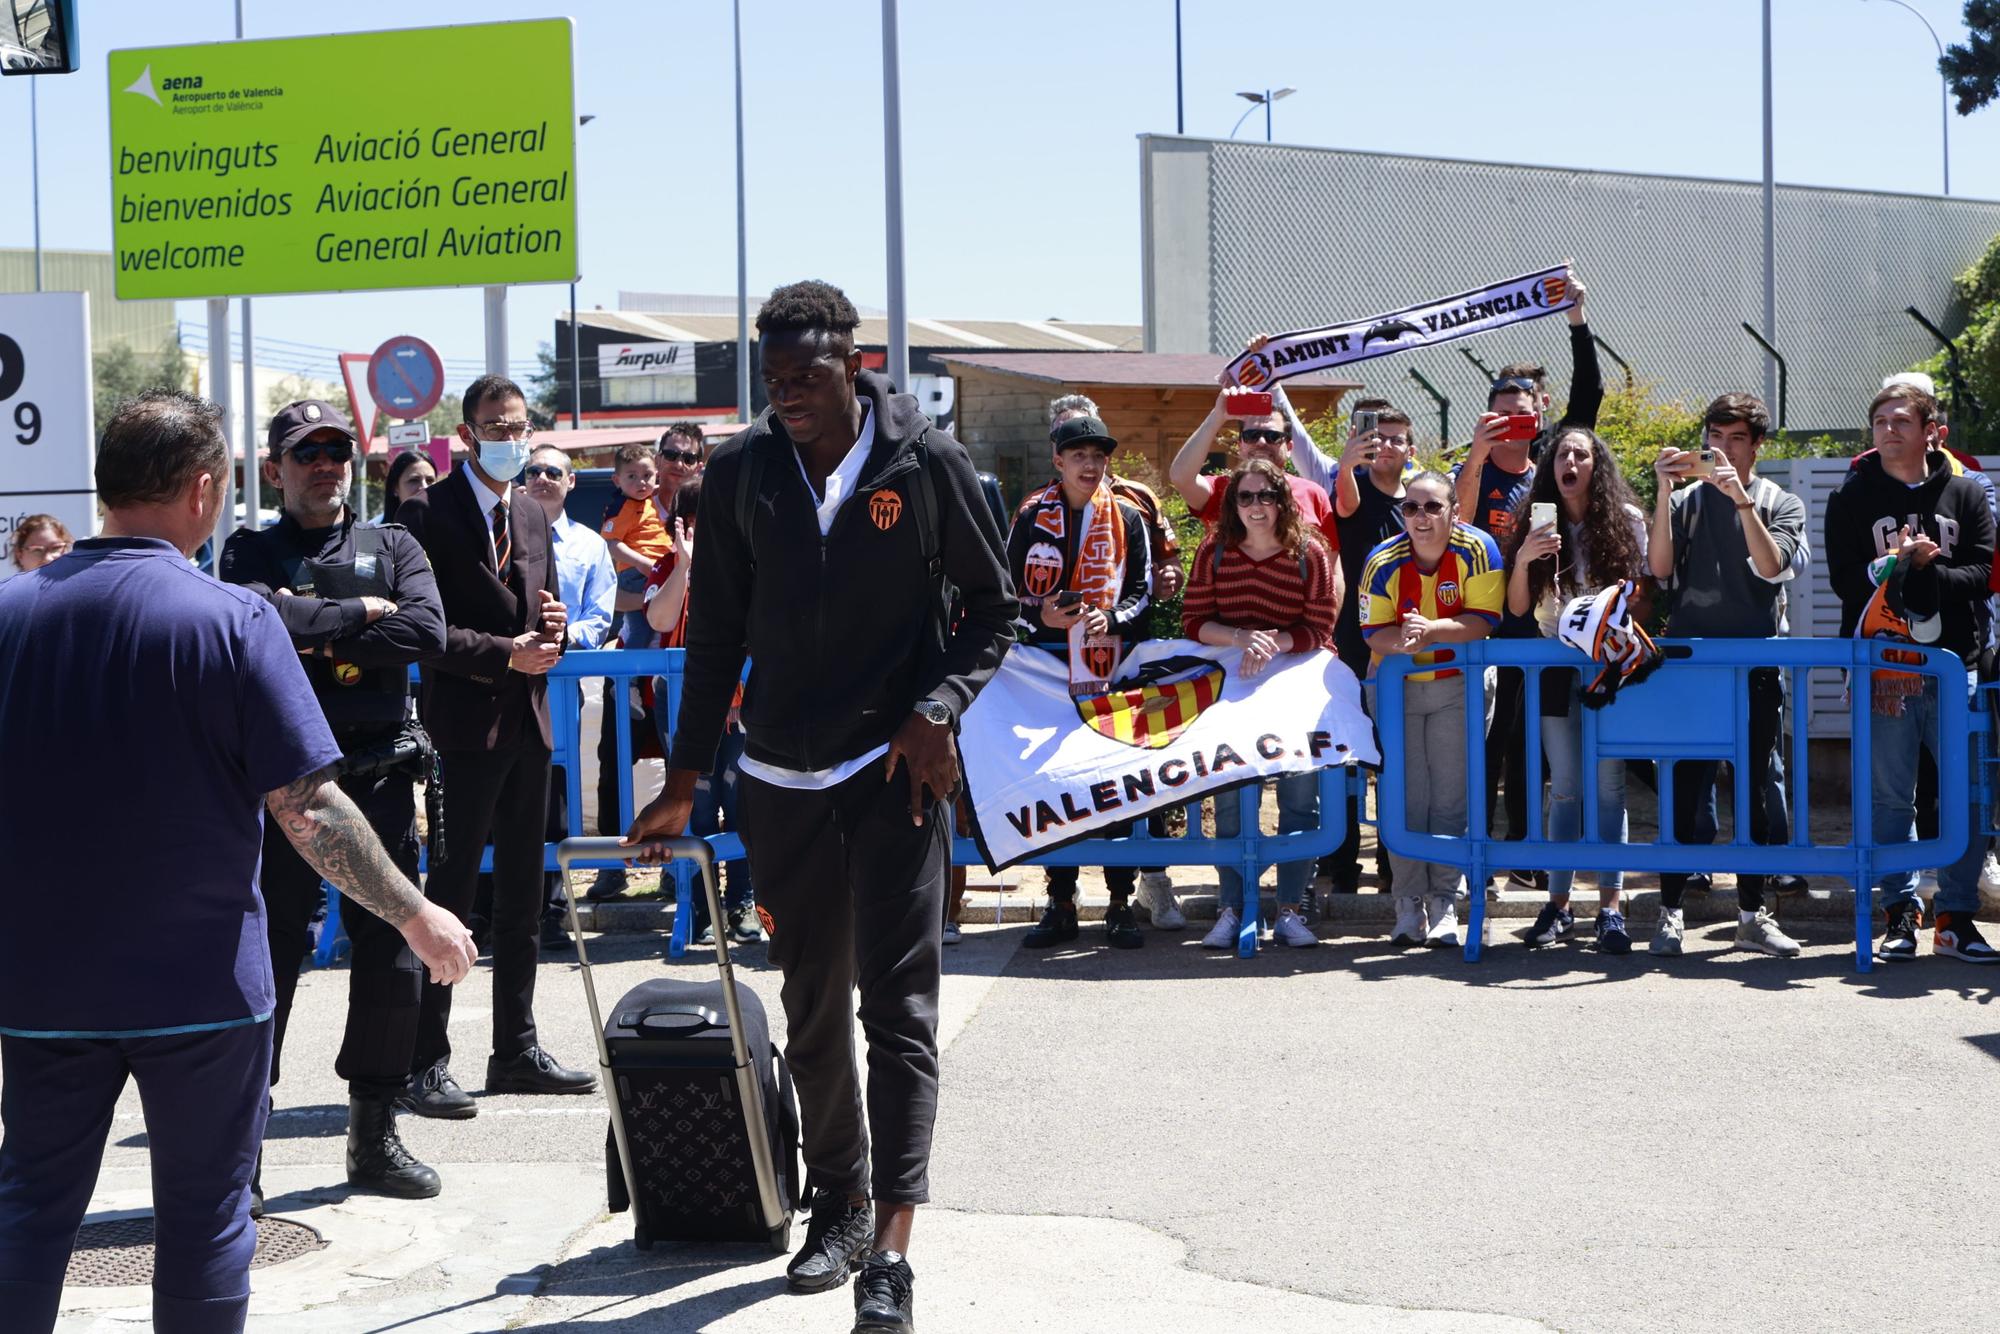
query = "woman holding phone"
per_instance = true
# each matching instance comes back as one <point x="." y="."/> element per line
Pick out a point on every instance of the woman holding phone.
<point x="1263" y="582"/>
<point x="1436" y="584"/>
<point x="1577" y="531"/>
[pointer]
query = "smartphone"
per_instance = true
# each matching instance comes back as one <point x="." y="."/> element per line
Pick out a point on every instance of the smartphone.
<point x="1704" y="464"/>
<point x="1069" y="597"/>
<point x="1541" y="513"/>
<point x="1248" y="403"/>
<point x="1521" y="426"/>
<point x="1364" y="420"/>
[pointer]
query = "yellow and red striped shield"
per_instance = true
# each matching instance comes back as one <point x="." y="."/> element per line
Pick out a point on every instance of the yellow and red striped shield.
<point x="1151" y="716"/>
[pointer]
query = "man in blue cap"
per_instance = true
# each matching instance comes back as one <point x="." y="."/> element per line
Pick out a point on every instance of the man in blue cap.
<point x="186" y="699"/>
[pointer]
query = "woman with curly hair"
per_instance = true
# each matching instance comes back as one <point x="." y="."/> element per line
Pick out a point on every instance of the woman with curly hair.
<point x="1597" y="538"/>
<point x="1263" y="582"/>
<point x="39" y="539"/>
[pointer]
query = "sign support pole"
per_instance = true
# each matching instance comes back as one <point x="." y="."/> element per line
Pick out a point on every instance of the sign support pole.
<point x="220" y="390"/>
<point x="253" y="481"/>
<point x="496" y="331"/>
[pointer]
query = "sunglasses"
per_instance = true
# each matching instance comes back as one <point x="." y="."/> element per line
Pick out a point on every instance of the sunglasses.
<point x="335" y="451"/>
<point x="553" y="472"/>
<point x="1259" y="435"/>
<point x="677" y="456"/>
<point x="1248" y="500"/>
<point x="1412" y="508"/>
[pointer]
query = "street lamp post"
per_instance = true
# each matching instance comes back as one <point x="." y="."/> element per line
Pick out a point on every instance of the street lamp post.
<point x="575" y="343"/>
<point x="1944" y="90"/>
<point x="742" y="258"/>
<point x="1264" y="100"/>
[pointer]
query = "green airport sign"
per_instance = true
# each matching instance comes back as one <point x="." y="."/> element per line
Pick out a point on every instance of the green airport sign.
<point x="347" y="162"/>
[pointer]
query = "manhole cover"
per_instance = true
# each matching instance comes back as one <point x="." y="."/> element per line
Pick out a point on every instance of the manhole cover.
<point x="119" y="1253"/>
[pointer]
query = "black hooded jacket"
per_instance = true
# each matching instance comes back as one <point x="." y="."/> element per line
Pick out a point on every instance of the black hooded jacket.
<point x="1863" y="519"/>
<point x="845" y="633"/>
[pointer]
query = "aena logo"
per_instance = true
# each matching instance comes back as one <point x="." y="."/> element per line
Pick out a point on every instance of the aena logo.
<point x="143" y="85"/>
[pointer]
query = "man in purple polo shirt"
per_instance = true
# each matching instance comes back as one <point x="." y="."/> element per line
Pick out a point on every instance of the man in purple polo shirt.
<point x="132" y="937"/>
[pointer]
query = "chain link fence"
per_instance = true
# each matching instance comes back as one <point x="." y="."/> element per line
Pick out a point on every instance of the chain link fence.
<point x="1299" y="237"/>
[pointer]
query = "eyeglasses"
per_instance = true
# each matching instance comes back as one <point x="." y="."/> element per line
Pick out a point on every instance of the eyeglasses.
<point x="334" y="451"/>
<point x="553" y="471"/>
<point x="498" y="431"/>
<point x="1249" y="500"/>
<point x="1412" y="508"/>
<point x="690" y="457"/>
<point x="1257" y="435"/>
<point x="49" y="552"/>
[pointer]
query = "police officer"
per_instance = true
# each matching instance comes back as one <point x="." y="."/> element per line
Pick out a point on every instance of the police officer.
<point x="360" y="605"/>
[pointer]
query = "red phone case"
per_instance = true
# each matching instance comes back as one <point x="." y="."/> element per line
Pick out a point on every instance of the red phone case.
<point x="1522" y="426"/>
<point x="1249" y="403"/>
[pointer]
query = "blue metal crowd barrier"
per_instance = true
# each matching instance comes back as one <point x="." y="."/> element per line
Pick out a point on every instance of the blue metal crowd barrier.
<point x="1253" y="852"/>
<point x="1695" y="707"/>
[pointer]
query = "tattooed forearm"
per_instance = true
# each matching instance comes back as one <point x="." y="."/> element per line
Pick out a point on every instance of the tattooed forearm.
<point x="330" y="832"/>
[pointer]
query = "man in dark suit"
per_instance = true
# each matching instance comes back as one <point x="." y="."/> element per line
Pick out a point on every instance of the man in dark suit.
<point x="485" y="704"/>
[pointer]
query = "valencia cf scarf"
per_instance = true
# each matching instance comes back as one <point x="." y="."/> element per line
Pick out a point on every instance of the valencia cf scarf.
<point x="1601" y="625"/>
<point x="1886" y="617"/>
<point x="1099" y="570"/>
<point x="1528" y="297"/>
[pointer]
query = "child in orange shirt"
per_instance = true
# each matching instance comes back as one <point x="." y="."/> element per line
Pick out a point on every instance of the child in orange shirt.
<point x="637" y="537"/>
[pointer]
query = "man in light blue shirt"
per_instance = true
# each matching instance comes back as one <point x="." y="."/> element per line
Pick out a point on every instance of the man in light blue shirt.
<point x="588" y="584"/>
<point x="583" y="562"/>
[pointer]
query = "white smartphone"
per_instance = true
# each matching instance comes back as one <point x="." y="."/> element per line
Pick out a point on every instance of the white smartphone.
<point x="1541" y="513"/>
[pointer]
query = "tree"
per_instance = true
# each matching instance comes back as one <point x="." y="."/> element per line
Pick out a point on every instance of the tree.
<point x="1973" y="69"/>
<point x="1974" y="406"/>
<point x="544" y="390"/>
<point x="119" y="373"/>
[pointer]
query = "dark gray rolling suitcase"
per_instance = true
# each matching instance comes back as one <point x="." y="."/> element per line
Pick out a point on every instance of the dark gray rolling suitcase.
<point x="704" y="1140"/>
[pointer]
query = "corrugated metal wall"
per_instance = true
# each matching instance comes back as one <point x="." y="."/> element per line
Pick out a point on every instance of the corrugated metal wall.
<point x="1298" y="237"/>
<point x="146" y="326"/>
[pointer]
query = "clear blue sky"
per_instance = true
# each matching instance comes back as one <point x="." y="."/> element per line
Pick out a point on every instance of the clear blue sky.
<point x="1020" y="156"/>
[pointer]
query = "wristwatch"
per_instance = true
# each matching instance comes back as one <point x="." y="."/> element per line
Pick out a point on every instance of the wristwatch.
<point x="934" y="712"/>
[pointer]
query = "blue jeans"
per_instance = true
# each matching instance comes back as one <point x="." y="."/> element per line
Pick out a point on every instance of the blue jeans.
<point x="1562" y="747"/>
<point x="715" y="796"/>
<point x="1896" y="741"/>
<point x="1298" y="811"/>
<point x="630" y="626"/>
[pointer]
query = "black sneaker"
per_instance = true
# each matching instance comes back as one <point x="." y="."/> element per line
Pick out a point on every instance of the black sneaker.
<point x="1899" y="937"/>
<point x="555" y="937"/>
<point x="1958" y="937"/>
<point x="744" y="928"/>
<point x="1787" y="884"/>
<point x="1057" y="924"/>
<point x="884" y="1302"/>
<point x="610" y="882"/>
<point x="1552" y="923"/>
<point x="838" y="1236"/>
<point x="435" y="1093"/>
<point x="1121" y="927"/>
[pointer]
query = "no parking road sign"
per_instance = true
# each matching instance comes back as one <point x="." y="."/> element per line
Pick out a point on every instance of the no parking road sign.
<point x="406" y="377"/>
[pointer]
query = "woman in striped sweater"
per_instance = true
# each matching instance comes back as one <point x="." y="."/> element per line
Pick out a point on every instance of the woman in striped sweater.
<point x="1266" y="583"/>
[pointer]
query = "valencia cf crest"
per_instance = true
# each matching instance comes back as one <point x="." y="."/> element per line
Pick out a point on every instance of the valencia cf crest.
<point x="346" y="673"/>
<point x="884" y="508"/>
<point x="1447" y="591"/>
<point x="1041" y="570"/>
<point x="1149" y="714"/>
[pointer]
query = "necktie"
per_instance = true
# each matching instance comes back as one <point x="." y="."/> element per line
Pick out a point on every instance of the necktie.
<point x="503" y="541"/>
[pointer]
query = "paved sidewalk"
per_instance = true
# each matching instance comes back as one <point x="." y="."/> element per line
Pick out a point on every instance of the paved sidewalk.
<point x="1169" y="1139"/>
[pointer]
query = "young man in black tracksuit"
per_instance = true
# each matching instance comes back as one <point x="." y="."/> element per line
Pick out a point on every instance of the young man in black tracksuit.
<point x="1906" y="519"/>
<point x="832" y="589"/>
<point x="1043" y="551"/>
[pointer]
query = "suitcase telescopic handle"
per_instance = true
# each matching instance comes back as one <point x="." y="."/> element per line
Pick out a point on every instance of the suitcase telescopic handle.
<point x="749" y="1068"/>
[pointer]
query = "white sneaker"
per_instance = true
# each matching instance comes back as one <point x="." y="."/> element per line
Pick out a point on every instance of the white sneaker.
<point x="1761" y="934"/>
<point x="1443" y="933"/>
<point x="1156" y="895"/>
<point x="951" y="933"/>
<point x="1667" y="935"/>
<point x="1222" y="936"/>
<point x="1989" y="882"/>
<point x="1292" y="930"/>
<point x="1409" y="930"/>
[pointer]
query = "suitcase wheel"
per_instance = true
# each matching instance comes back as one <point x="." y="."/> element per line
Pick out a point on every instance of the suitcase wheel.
<point x="642" y="1239"/>
<point x="781" y="1237"/>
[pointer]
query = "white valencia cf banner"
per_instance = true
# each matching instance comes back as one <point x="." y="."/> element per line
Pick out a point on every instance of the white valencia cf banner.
<point x="1044" y="768"/>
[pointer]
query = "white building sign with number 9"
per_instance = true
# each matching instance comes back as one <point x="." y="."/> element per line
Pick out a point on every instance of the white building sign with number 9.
<point x="48" y="441"/>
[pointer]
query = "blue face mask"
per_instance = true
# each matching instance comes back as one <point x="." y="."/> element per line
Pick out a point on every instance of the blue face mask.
<point x="502" y="460"/>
